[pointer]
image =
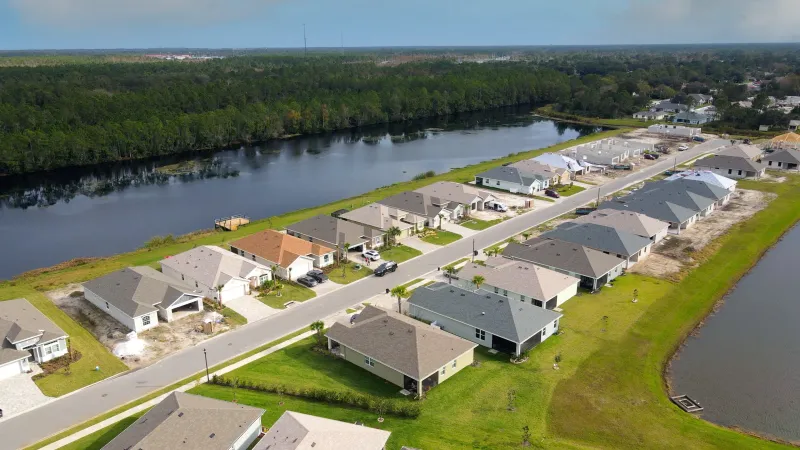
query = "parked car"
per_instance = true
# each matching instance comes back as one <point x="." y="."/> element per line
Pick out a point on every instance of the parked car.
<point x="497" y="206"/>
<point x="699" y="139"/>
<point x="307" y="281"/>
<point x="683" y="147"/>
<point x="622" y="167"/>
<point x="584" y="211"/>
<point x="552" y="193"/>
<point x="372" y="255"/>
<point x="650" y="156"/>
<point x="317" y="275"/>
<point x="383" y="269"/>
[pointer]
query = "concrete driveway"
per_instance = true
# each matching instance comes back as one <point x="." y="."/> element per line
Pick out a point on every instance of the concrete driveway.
<point x="19" y="394"/>
<point x="458" y="229"/>
<point x="251" y="308"/>
<point x="419" y="244"/>
<point x="326" y="287"/>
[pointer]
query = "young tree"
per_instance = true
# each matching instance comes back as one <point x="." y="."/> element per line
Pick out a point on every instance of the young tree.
<point x="526" y="436"/>
<point x="346" y="248"/>
<point x="393" y="233"/>
<point x="526" y="235"/>
<point x="451" y="272"/>
<point x="478" y="280"/>
<point x="219" y="288"/>
<point x="399" y="292"/>
<point x="317" y="326"/>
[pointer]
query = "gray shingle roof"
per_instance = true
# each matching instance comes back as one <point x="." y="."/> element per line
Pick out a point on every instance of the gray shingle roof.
<point x="629" y="221"/>
<point x="680" y="192"/>
<point x="334" y="230"/>
<point x="295" y="431"/>
<point x="512" y="320"/>
<point x="404" y="344"/>
<point x="414" y="202"/>
<point x="520" y="277"/>
<point x="20" y="320"/>
<point x="211" y="266"/>
<point x="455" y="192"/>
<point x="784" y="156"/>
<point x="741" y="151"/>
<point x="654" y="206"/>
<point x="700" y="187"/>
<point x="187" y="421"/>
<point x="563" y="255"/>
<point x="728" y="162"/>
<point x="137" y="290"/>
<point x="599" y="237"/>
<point x="511" y="175"/>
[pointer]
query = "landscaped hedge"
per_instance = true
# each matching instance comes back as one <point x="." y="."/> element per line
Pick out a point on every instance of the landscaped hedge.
<point x="371" y="403"/>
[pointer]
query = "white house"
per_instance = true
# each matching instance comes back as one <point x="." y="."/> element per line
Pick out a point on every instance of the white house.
<point x="27" y="335"/>
<point x="561" y="161"/>
<point x="512" y="179"/>
<point x="291" y="256"/>
<point x="216" y="273"/>
<point x="650" y="115"/>
<point x="674" y="130"/>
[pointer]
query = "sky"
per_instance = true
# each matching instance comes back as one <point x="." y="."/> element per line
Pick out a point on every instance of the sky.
<point x="107" y="24"/>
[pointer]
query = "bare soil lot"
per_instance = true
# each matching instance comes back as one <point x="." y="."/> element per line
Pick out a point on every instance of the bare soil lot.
<point x="159" y="341"/>
<point x="514" y="202"/>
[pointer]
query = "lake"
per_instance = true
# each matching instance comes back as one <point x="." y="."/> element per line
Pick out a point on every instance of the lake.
<point x="743" y="366"/>
<point x="49" y="218"/>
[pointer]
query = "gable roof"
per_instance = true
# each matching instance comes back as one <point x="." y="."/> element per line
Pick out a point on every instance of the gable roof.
<point x="669" y="106"/>
<point x="382" y="217"/>
<point x="511" y="175"/>
<point x="701" y="97"/>
<point x="334" y="230"/>
<point x="680" y="192"/>
<point x="563" y="255"/>
<point x="628" y="221"/>
<point x="399" y="342"/>
<point x="20" y="321"/>
<point x="296" y="431"/>
<point x="560" y="161"/>
<point x="188" y="421"/>
<point x="210" y="265"/>
<point x="656" y="206"/>
<point x="279" y="248"/>
<point x="741" y="151"/>
<point x="512" y="320"/>
<point x="520" y="277"/>
<point x="415" y="202"/>
<point x="784" y="155"/>
<point x="706" y="176"/>
<point x="137" y="290"/>
<point x="599" y="237"/>
<point x="698" y="187"/>
<point x="692" y="115"/>
<point x="728" y="162"/>
<point x="537" y="167"/>
<point x="455" y="192"/>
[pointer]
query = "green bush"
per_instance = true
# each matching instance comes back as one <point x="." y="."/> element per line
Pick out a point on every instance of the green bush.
<point x="424" y="175"/>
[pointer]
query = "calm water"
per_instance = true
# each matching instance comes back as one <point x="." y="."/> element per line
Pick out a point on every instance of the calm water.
<point x="46" y="219"/>
<point x="744" y="366"/>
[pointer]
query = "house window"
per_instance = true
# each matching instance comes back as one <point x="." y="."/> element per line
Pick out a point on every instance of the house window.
<point x="740" y="172"/>
<point x="480" y="334"/>
<point x="505" y="292"/>
<point x="107" y="307"/>
<point x="770" y="163"/>
<point x="326" y="258"/>
<point x="254" y="257"/>
<point x="444" y="370"/>
<point x="369" y="361"/>
<point x="455" y="363"/>
<point x="498" y="183"/>
<point x="538" y="303"/>
<point x="730" y="171"/>
<point x="182" y="279"/>
<point x="779" y="163"/>
<point x="310" y="239"/>
<point x="146" y="320"/>
<point x="48" y="350"/>
<point x="195" y="284"/>
<point x="522" y="298"/>
<point x="544" y="331"/>
<point x="496" y="290"/>
<point x="555" y="325"/>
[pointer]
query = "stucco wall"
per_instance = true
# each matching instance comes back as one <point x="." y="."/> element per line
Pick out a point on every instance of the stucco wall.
<point x="510" y="187"/>
<point x="461" y="362"/>
<point x="249" y="436"/>
<point x="134" y="324"/>
<point x="387" y="373"/>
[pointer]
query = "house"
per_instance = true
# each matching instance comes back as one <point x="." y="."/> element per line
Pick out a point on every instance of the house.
<point x="783" y="159"/>
<point x="706" y="177"/>
<point x="520" y="281"/>
<point x="511" y="179"/>
<point x="560" y="161"/>
<point x="216" y="273"/>
<point x="669" y="107"/>
<point x="137" y="296"/>
<point x="432" y="209"/>
<point x="334" y="232"/>
<point x="629" y="222"/>
<point x="793" y="125"/>
<point x="592" y="267"/>
<point x="731" y="166"/>
<point x="608" y="151"/>
<point x="556" y="175"/>
<point x="628" y="246"/>
<point x="469" y="197"/>
<point x="701" y="99"/>
<point x="290" y="256"/>
<point x="403" y="351"/>
<point x="296" y="431"/>
<point x="194" y="422"/>
<point x="485" y="318"/>
<point x="382" y="218"/>
<point x="657" y="205"/>
<point x="708" y="190"/>
<point x="746" y="151"/>
<point x="646" y="116"/>
<point x="791" y="101"/>
<point x="692" y="118"/>
<point x="27" y="335"/>
<point x="674" y="130"/>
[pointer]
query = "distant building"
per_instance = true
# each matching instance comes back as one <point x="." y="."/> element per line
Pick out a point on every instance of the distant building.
<point x="649" y="115"/>
<point x="701" y="99"/>
<point x="674" y="130"/>
<point x="692" y="118"/>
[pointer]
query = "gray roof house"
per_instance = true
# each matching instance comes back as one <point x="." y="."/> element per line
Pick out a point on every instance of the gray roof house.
<point x="657" y="205"/>
<point x="138" y="296"/>
<point x="699" y="187"/>
<point x="627" y="246"/>
<point x="296" y="431"/>
<point x="27" y="333"/>
<point x="750" y="152"/>
<point x="628" y="221"/>
<point x="608" y="151"/>
<point x="189" y="421"/>
<point x="731" y="166"/>
<point x="692" y="118"/>
<point x="408" y="353"/>
<point x="668" y="106"/>
<point x="592" y="267"/>
<point x="783" y="159"/>
<point x="512" y="179"/>
<point x="382" y="218"/>
<point x="554" y="174"/>
<point x="701" y="99"/>
<point x="420" y="205"/>
<point x="470" y="197"/>
<point x="488" y="319"/>
<point x="332" y="231"/>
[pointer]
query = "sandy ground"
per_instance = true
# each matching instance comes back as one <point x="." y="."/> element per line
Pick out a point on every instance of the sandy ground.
<point x="675" y="252"/>
<point x="160" y="341"/>
<point x="513" y="201"/>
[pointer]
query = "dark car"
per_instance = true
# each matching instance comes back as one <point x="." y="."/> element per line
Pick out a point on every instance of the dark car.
<point x="317" y="275"/>
<point x="650" y="156"/>
<point x="307" y="281"/>
<point x="552" y="193"/>
<point x="383" y="269"/>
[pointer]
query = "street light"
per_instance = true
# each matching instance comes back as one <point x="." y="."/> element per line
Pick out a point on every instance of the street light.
<point x="205" y="355"/>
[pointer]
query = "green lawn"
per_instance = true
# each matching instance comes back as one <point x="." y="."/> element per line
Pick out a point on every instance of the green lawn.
<point x="440" y="237"/>
<point x="543" y="198"/>
<point x="98" y="439"/>
<point x="566" y="190"/>
<point x="411" y="283"/>
<point x="291" y="292"/>
<point x="455" y="263"/>
<point x="477" y="224"/>
<point x="350" y="274"/>
<point x="399" y="253"/>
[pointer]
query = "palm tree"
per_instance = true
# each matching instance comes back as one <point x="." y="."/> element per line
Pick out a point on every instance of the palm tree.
<point x="399" y="292"/>
<point x="441" y="219"/>
<point x="393" y="233"/>
<point x="478" y="280"/>
<point x="526" y="235"/>
<point x="317" y="326"/>
<point x="219" y="293"/>
<point x="346" y="248"/>
<point x="450" y="271"/>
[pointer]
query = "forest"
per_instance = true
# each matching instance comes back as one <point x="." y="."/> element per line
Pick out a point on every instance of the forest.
<point x="69" y="114"/>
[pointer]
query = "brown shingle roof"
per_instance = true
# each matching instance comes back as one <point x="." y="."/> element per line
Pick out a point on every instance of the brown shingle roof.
<point x="279" y="248"/>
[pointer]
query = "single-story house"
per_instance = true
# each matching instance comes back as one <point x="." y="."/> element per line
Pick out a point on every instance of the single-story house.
<point x="669" y="107"/>
<point x="674" y="130"/>
<point x="628" y="246"/>
<point x="27" y="335"/>
<point x="513" y="180"/>
<point x="334" y="233"/>
<point x="650" y="115"/>
<point x="291" y="256"/>
<point x="137" y="296"/>
<point x="471" y="198"/>
<point x="731" y="166"/>
<point x="782" y="159"/>
<point x="592" y="267"/>
<point x="658" y="206"/>
<point x="381" y="218"/>
<point x="296" y="431"/>
<point x="432" y="209"/>
<point x="707" y="177"/>
<point x="793" y="125"/>
<point x="692" y="118"/>
<point x="560" y="161"/>
<point x="609" y="151"/>
<point x="403" y="351"/>
<point x="628" y="221"/>
<point x="488" y="319"/>
<point x="556" y="175"/>
<point x="747" y="151"/>
<point x="708" y="190"/>
<point x="216" y="273"/>
<point x="194" y="422"/>
<point x="520" y="281"/>
<point x="701" y="99"/>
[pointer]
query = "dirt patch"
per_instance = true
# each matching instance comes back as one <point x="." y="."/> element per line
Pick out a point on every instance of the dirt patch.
<point x="514" y="202"/>
<point x="159" y="341"/>
<point x="675" y="253"/>
<point x="772" y="178"/>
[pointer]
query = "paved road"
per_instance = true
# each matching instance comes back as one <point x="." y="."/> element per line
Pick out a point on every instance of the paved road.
<point x="71" y="410"/>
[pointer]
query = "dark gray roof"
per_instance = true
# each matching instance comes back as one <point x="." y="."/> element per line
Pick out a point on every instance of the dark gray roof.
<point x="415" y="203"/>
<point x="19" y="321"/>
<point x="512" y="320"/>
<point x="699" y="187"/>
<point x="137" y="290"/>
<point x="334" y="230"/>
<point x="701" y="97"/>
<point x="784" y="155"/>
<point x="655" y="207"/>
<point x="599" y="237"/>
<point x="188" y="421"/>
<point x="564" y="256"/>
<point x="669" y="106"/>
<point x="691" y="115"/>
<point x="511" y="175"/>
<point x="728" y="162"/>
<point x="679" y="192"/>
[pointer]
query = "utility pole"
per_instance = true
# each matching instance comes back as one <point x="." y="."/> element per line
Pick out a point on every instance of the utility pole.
<point x="205" y="355"/>
<point x="305" y="42"/>
<point x="473" y="250"/>
<point x="598" y="198"/>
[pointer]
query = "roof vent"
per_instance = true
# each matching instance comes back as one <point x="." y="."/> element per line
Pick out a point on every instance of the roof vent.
<point x="409" y="331"/>
<point x="483" y="313"/>
<point x="211" y="436"/>
<point x="180" y="414"/>
<point x="463" y="294"/>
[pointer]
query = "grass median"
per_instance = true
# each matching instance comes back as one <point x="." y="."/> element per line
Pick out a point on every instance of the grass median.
<point x="478" y="225"/>
<point x="439" y="237"/>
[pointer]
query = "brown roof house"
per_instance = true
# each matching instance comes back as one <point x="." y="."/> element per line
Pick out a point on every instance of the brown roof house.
<point x="408" y="353"/>
<point x="296" y="431"/>
<point x="293" y="257"/>
<point x="27" y="334"/>
<point x="186" y="421"/>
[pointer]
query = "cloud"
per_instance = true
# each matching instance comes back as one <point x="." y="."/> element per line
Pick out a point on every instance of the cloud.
<point x="120" y="13"/>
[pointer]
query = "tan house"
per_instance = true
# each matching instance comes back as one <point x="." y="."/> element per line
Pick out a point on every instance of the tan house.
<point x="471" y="198"/>
<point x="555" y="174"/>
<point x="293" y="257"/>
<point x="746" y="151"/>
<point x="381" y="217"/>
<point x="296" y="431"/>
<point x="408" y="353"/>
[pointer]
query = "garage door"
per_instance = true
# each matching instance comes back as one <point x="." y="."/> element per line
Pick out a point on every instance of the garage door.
<point x="232" y="291"/>
<point x="9" y="370"/>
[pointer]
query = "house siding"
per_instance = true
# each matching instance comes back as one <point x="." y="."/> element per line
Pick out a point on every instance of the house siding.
<point x="562" y="296"/>
<point x="41" y="350"/>
<point x="385" y="372"/>
<point x="461" y="362"/>
<point x="133" y="323"/>
<point x="248" y="437"/>
<point x="734" y="173"/>
<point x="511" y="187"/>
<point x="449" y="325"/>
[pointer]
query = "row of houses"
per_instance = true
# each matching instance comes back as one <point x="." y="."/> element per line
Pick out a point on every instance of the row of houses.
<point x="679" y="113"/>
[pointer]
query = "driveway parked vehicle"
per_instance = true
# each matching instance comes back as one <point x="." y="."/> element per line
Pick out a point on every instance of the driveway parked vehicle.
<point x="683" y="147"/>
<point x="552" y="193"/>
<point x="650" y="156"/>
<point x="372" y="255"/>
<point x="307" y="281"/>
<point x="317" y="275"/>
<point x="383" y="269"/>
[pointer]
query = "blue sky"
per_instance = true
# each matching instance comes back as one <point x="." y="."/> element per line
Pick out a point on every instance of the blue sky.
<point x="56" y="24"/>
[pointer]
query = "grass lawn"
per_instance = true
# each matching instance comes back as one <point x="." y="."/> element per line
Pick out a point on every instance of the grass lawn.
<point x="291" y="292"/>
<point x="455" y="263"/>
<point x="350" y="274"/>
<point x="411" y="283"/>
<point x="543" y="198"/>
<point x="100" y="438"/>
<point x="440" y="237"/>
<point x="477" y="224"/>
<point x="567" y="190"/>
<point x="399" y="253"/>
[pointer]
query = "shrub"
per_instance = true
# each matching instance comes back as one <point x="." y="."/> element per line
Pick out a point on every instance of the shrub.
<point x="424" y="175"/>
